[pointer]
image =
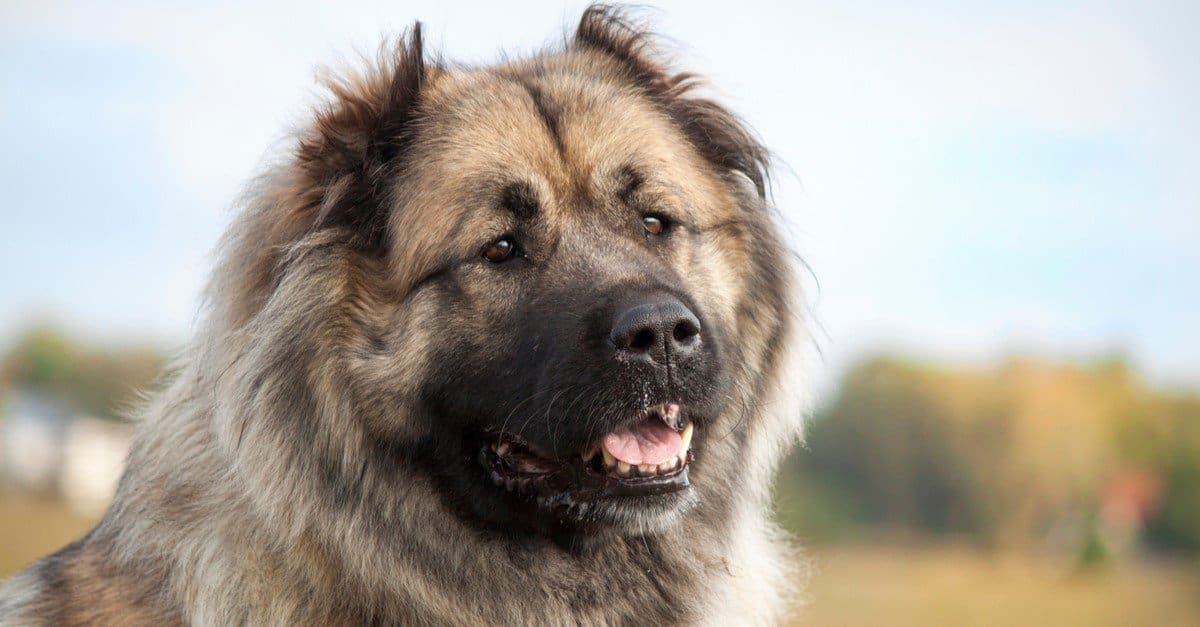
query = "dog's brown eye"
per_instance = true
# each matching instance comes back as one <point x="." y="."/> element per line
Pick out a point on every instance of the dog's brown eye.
<point x="499" y="250"/>
<point x="654" y="225"/>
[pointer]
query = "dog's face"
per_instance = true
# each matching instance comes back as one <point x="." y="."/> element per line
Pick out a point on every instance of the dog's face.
<point x="578" y="254"/>
<point x="564" y="285"/>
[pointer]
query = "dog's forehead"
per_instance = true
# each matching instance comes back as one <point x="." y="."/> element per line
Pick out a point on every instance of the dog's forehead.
<point x="568" y="134"/>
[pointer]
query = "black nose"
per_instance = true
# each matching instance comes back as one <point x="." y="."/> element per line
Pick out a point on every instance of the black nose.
<point x="658" y="328"/>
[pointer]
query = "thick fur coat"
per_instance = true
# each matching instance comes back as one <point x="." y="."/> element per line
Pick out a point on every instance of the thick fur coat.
<point x="302" y="463"/>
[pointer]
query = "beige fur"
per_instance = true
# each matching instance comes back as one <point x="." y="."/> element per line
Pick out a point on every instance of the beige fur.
<point x="271" y="483"/>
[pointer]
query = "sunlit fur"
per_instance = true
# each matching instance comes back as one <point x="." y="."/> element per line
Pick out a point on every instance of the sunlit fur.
<point x="278" y="477"/>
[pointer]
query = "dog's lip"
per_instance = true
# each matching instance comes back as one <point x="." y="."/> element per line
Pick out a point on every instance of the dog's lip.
<point x="519" y="467"/>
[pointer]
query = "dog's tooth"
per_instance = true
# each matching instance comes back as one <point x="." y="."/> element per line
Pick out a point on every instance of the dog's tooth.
<point x="590" y="453"/>
<point x="687" y="438"/>
<point x="671" y="414"/>
<point x="647" y="469"/>
<point x="666" y="466"/>
<point x="609" y="460"/>
<point x="502" y="448"/>
<point x="623" y="468"/>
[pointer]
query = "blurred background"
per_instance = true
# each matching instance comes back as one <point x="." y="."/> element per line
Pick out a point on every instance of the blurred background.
<point x="997" y="203"/>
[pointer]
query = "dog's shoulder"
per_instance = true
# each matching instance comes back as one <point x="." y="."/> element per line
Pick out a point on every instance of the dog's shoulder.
<point x="82" y="585"/>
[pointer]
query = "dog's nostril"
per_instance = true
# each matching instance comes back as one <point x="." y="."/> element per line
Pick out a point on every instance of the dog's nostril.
<point x="686" y="331"/>
<point x="643" y="340"/>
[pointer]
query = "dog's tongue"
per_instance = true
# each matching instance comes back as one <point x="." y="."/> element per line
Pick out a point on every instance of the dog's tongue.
<point x="648" y="442"/>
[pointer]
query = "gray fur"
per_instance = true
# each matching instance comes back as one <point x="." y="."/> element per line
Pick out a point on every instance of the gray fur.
<point x="270" y="482"/>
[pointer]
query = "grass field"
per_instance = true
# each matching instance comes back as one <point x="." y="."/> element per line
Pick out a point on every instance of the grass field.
<point x="855" y="584"/>
<point x="31" y="527"/>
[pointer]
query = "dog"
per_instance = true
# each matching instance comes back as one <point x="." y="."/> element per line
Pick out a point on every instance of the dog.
<point x="490" y="345"/>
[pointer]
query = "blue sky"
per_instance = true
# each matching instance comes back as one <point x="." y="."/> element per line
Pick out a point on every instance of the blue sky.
<point x="966" y="180"/>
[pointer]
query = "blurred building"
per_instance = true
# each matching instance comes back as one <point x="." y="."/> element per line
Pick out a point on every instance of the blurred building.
<point x="31" y="437"/>
<point x="46" y="448"/>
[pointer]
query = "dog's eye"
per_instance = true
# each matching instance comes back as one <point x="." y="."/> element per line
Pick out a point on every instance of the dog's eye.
<point x="654" y="225"/>
<point x="500" y="250"/>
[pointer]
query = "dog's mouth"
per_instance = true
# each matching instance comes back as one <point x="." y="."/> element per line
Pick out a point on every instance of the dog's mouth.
<point x="647" y="458"/>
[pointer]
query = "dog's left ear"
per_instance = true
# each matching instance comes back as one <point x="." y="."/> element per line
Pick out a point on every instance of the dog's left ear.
<point x="357" y="143"/>
<point x="717" y="133"/>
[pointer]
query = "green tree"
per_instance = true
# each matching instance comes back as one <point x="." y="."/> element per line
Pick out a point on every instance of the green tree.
<point x="99" y="381"/>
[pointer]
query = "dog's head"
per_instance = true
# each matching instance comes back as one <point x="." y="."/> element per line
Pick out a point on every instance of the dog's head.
<point x="550" y="286"/>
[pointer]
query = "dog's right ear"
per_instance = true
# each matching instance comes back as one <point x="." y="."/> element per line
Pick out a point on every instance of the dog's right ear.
<point x="336" y="186"/>
<point x="357" y="143"/>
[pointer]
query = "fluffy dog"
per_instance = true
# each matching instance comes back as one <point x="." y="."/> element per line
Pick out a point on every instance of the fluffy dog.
<point x="504" y="344"/>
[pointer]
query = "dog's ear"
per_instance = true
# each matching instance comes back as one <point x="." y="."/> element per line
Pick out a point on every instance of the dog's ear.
<point x="716" y="132"/>
<point x="357" y="143"/>
<point x="335" y="188"/>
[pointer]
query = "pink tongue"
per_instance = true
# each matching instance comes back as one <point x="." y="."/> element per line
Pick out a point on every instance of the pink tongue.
<point x="650" y="442"/>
